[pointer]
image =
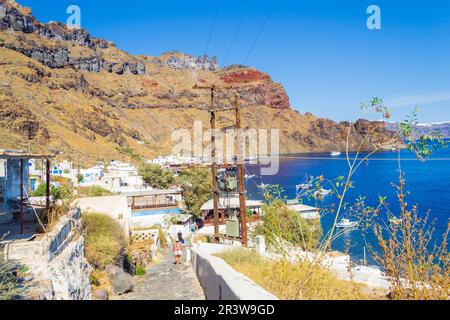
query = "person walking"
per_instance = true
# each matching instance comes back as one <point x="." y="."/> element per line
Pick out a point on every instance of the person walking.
<point x="180" y="237"/>
<point x="177" y="251"/>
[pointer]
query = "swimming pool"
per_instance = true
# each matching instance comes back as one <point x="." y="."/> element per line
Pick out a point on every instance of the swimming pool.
<point x="147" y="213"/>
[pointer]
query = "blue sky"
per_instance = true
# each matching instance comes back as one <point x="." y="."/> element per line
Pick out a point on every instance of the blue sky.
<point x="321" y="51"/>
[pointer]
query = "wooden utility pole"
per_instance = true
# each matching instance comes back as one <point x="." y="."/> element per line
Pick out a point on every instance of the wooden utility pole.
<point x="240" y="166"/>
<point x="21" y="196"/>
<point x="241" y="176"/>
<point x="213" y="161"/>
<point x="47" y="186"/>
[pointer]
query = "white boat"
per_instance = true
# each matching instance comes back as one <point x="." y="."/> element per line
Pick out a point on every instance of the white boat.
<point x="263" y="186"/>
<point x="303" y="186"/>
<point x="249" y="176"/>
<point x="395" y="220"/>
<point x="323" y="192"/>
<point x="393" y="149"/>
<point x="336" y="154"/>
<point x="346" y="223"/>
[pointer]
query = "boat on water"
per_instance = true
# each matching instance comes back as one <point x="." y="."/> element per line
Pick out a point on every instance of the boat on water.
<point x="347" y="224"/>
<point x="303" y="186"/>
<point x="336" y="154"/>
<point x="323" y="192"/>
<point x="249" y="176"/>
<point x="263" y="186"/>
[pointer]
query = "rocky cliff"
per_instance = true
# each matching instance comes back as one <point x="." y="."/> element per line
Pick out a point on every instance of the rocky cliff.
<point x="65" y="91"/>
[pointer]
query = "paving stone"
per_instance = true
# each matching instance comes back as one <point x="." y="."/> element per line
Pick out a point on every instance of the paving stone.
<point x="166" y="281"/>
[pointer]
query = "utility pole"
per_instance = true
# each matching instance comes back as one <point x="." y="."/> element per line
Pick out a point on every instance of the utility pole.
<point x="240" y="166"/>
<point x="241" y="176"/>
<point x="21" y="195"/>
<point x="213" y="161"/>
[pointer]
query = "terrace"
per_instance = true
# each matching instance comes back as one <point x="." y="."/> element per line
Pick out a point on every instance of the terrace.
<point x="17" y="217"/>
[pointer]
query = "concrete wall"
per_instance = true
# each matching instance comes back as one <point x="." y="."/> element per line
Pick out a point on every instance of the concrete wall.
<point x="219" y="280"/>
<point x="47" y="247"/>
<point x="57" y="262"/>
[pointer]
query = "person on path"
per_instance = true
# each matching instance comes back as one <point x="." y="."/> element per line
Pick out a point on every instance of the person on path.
<point x="180" y="237"/>
<point x="177" y="251"/>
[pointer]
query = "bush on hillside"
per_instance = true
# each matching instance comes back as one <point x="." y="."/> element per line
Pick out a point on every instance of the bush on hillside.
<point x="155" y="176"/>
<point x="104" y="238"/>
<point x="196" y="184"/>
<point x="281" y="223"/>
<point x="93" y="191"/>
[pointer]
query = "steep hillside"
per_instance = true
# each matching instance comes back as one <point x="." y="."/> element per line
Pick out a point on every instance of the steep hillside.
<point x="64" y="91"/>
<point x="443" y="128"/>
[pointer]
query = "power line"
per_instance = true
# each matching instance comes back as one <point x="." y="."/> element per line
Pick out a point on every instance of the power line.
<point x="236" y="32"/>
<point x="213" y="27"/>
<point x="260" y="31"/>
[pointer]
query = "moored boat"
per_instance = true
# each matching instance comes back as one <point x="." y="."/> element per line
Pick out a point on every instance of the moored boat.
<point x="336" y="154"/>
<point x="347" y="224"/>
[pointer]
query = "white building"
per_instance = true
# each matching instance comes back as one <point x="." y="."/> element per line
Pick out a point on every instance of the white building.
<point x="175" y="161"/>
<point x="121" y="177"/>
<point x="91" y="176"/>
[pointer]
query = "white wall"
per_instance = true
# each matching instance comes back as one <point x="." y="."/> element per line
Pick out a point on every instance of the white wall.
<point x="219" y="280"/>
<point x="114" y="206"/>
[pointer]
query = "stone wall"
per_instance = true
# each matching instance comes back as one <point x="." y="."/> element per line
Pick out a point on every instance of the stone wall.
<point x="59" y="267"/>
<point x="219" y="280"/>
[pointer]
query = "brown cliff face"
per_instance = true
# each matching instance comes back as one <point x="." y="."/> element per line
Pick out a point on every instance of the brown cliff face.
<point x="63" y="90"/>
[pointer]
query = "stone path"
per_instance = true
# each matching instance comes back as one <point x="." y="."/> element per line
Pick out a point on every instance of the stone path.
<point x="166" y="281"/>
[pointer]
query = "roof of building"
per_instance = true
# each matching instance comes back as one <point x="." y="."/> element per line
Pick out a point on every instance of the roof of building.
<point x="11" y="154"/>
<point x="301" y="208"/>
<point x="233" y="204"/>
<point x="153" y="192"/>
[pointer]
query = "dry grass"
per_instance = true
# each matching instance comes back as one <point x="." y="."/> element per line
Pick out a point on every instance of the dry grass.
<point x="302" y="281"/>
<point x="105" y="240"/>
<point x="200" y="238"/>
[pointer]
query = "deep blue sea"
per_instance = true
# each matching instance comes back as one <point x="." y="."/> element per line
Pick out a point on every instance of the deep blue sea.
<point x="428" y="182"/>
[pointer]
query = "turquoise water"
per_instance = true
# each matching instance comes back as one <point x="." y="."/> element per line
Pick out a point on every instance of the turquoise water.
<point x="147" y="213"/>
<point x="428" y="182"/>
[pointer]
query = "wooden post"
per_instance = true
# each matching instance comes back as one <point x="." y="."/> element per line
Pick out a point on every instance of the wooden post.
<point x="213" y="161"/>
<point x="214" y="171"/>
<point x="21" y="196"/>
<point x="47" y="181"/>
<point x="241" y="176"/>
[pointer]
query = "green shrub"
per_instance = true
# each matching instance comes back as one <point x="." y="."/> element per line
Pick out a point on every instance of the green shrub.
<point x="104" y="238"/>
<point x="141" y="271"/>
<point x="65" y="191"/>
<point x="10" y="286"/>
<point x="93" y="191"/>
<point x="279" y="222"/>
<point x="155" y="175"/>
<point x="196" y="184"/>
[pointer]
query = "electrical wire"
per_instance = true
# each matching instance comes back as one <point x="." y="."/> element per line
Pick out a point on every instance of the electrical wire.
<point x="260" y="31"/>
<point x="236" y="32"/>
<point x="213" y="27"/>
